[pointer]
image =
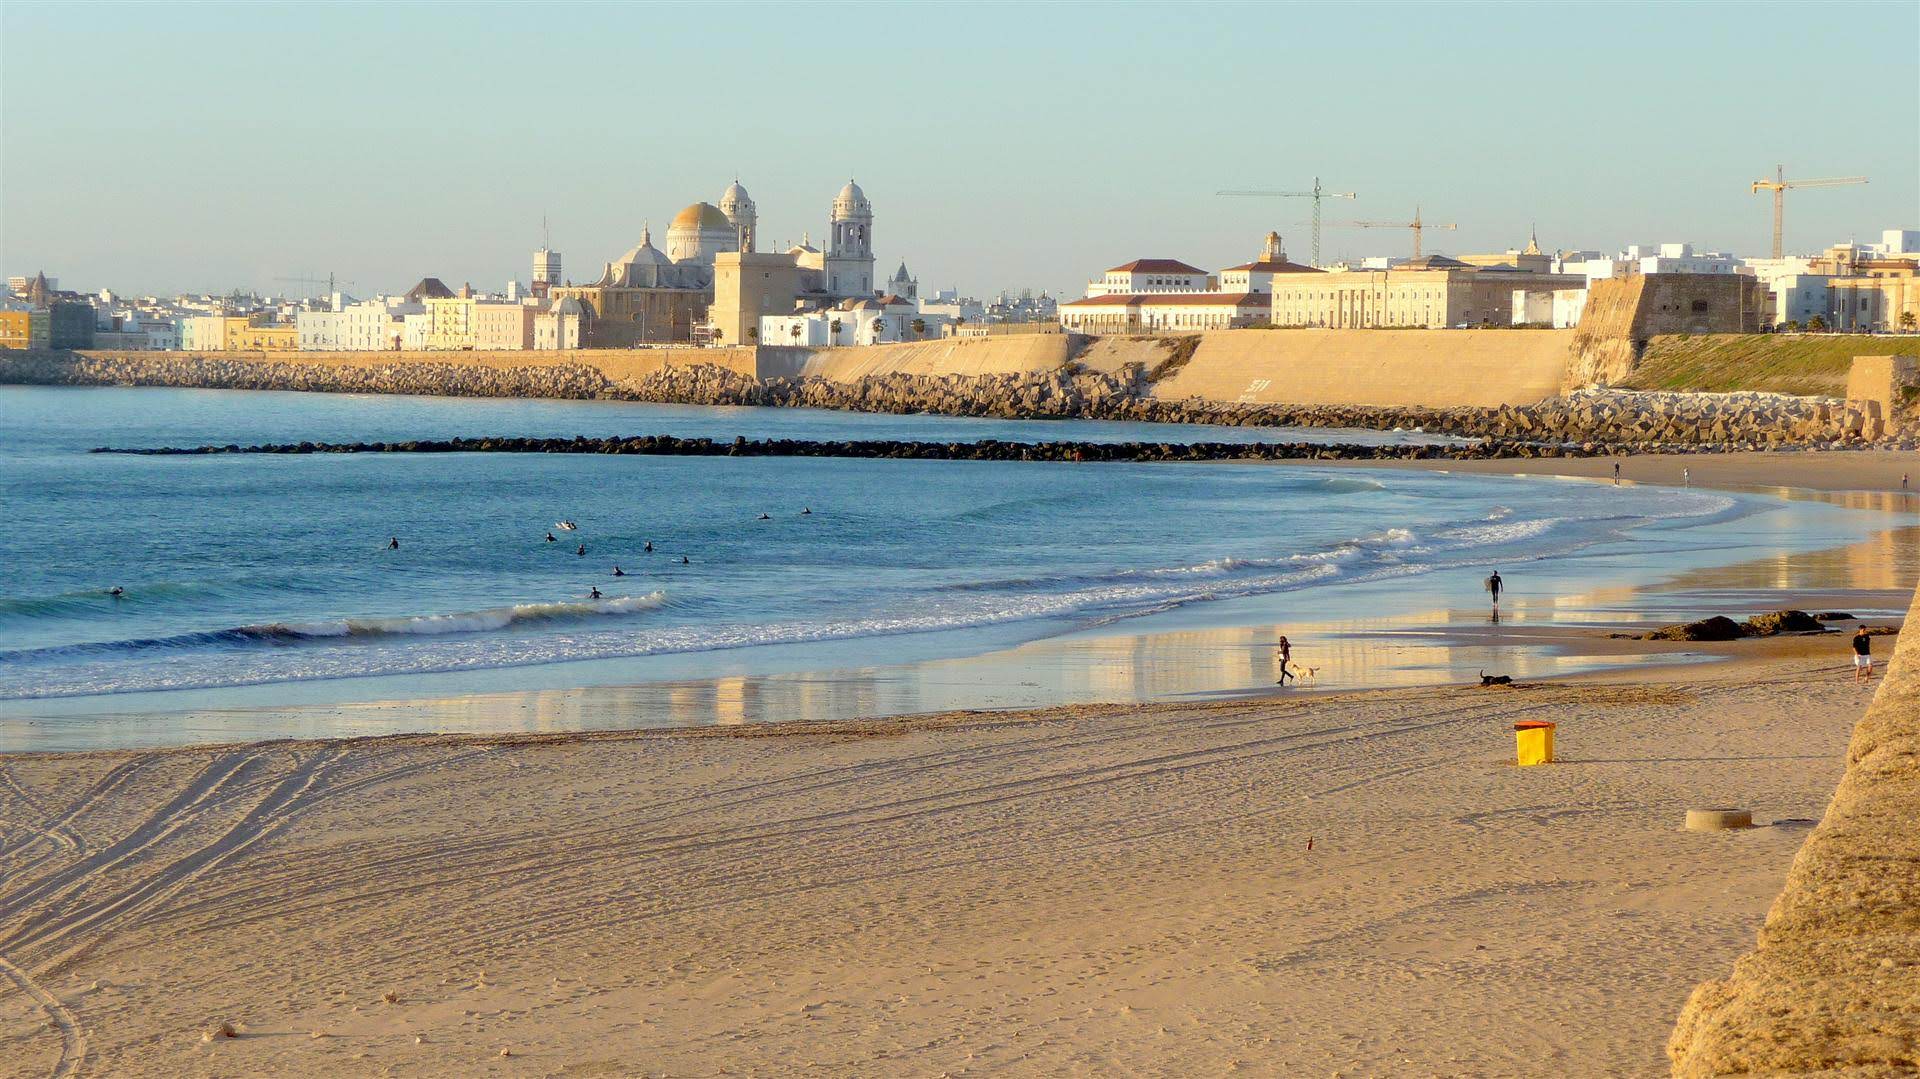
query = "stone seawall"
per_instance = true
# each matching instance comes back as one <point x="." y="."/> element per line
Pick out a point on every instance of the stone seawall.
<point x="1639" y="422"/>
<point x="1833" y="987"/>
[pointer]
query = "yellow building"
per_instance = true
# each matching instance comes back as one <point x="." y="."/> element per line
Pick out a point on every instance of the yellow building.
<point x="245" y="337"/>
<point x="1433" y="292"/>
<point x="1885" y="296"/>
<point x="24" y="329"/>
<point x="450" y="321"/>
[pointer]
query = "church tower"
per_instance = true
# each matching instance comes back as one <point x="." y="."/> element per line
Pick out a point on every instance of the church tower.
<point x="739" y="210"/>
<point x="850" y="244"/>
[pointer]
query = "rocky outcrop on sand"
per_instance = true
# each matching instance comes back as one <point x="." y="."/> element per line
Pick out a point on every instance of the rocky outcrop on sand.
<point x="1833" y="987"/>
<point x="1721" y="628"/>
<point x="1622" y="421"/>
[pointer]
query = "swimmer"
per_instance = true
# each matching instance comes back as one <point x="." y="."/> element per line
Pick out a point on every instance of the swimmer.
<point x="582" y="552"/>
<point x="594" y="593"/>
<point x="649" y="547"/>
<point x="393" y="543"/>
<point x="618" y="572"/>
<point x="116" y="591"/>
<point x="550" y="538"/>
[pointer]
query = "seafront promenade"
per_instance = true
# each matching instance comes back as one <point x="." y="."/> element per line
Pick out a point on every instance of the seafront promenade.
<point x="1833" y="987"/>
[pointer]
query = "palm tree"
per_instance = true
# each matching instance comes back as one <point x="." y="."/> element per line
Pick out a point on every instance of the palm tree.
<point x="920" y="324"/>
<point x="1793" y="325"/>
<point x="1816" y="324"/>
<point x="835" y="325"/>
<point x="1907" y="319"/>
<point x="718" y="333"/>
<point x="879" y="325"/>
<point x="753" y="334"/>
<point x="794" y="333"/>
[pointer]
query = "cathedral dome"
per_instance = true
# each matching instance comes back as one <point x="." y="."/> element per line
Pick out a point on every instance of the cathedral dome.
<point x="701" y="215"/>
<point x="734" y="193"/>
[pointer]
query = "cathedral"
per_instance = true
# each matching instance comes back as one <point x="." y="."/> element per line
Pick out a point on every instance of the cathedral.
<point x="650" y="296"/>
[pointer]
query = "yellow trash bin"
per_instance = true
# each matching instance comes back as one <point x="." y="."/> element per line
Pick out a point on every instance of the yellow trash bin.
<point x="1533" y="742"/>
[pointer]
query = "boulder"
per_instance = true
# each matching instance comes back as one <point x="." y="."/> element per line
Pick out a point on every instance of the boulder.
<point x="1717" y="628"/>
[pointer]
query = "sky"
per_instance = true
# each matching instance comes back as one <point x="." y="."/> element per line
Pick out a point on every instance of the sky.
<point x="161" y="148"/>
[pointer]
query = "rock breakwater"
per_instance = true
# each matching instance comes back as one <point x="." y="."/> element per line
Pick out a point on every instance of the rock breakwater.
<point x="1591" y="421"/>
<point x="984" y="450"/>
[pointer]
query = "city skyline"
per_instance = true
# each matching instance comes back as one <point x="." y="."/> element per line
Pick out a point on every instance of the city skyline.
<point x="1029" y="150"/>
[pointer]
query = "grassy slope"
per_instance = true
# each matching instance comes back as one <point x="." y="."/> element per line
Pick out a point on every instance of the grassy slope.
<point x="1783" y="363"/>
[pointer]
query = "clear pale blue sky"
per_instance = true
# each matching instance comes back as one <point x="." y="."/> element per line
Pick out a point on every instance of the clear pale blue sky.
<point x="170" y="147"/>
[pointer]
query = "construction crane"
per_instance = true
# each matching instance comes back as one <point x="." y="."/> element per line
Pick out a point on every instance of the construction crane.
<point x="1418" y="226"/>
<point x="312" y="281"/>
<point x="1779" y="185"/>
<point x="1316" y="195"/>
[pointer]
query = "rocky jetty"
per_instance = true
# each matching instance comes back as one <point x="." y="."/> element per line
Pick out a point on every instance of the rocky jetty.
<point x="984" y="450"/>
<point x="1589" y="422"/>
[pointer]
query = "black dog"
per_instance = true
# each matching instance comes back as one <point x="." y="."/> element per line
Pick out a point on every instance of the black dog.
<point x="1495" y="679"/>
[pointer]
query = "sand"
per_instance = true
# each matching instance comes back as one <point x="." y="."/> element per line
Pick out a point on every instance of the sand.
<point x="1120" y="890"/>
<point x="1814" y="470"/>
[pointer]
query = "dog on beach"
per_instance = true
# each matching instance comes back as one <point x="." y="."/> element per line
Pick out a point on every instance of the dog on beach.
<point x="1312" y="673"/>
<point x="1494" y="679"/>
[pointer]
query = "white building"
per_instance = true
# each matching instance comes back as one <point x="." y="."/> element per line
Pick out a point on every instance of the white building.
<point x="558" y="327"/>
<point x="415" y="328"/>
<point x="1679" y="258"/>
<point x="1150" y="275"/>
<point x="1799" y="297"/>
<point x="319" y="331"/>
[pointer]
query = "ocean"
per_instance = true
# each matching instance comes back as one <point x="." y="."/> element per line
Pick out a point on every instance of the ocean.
<point x="278" y="571"/>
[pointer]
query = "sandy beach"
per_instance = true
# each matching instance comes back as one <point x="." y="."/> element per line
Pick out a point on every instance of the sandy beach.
<point x="1123" y="890"/>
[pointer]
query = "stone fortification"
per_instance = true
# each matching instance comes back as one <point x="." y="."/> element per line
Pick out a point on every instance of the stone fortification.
<point x="1430" y="368"/>
<point x="1833" y="987"/>
<point x="1641" y="422"/>
<point x="1623" y="313"/>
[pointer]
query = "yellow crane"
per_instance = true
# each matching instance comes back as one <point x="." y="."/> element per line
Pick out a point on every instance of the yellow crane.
<point x="1316" y="195"/>
<point x="1418" y="226"/>
<point x="1779" y="185"/>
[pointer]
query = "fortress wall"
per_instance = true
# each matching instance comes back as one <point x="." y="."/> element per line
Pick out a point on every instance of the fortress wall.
<point x="618" y="364"/>
<point x="1432" y="368"/>
<point x="1833" y="987"/>
<point x="1014" y="354"/>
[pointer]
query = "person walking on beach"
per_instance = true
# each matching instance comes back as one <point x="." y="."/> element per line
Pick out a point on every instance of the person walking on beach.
<point x="1285" y="648"/>
<point x="1494" y="584"/>
<point x="1616" y="473"/>
<point x="1903" y="482"/>
<point x="1862" y="656"/>
<point x="1686" y="477"/>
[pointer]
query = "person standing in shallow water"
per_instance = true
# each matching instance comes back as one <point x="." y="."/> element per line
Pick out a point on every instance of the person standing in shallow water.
<point x="1285" y="648"/>
<point x="1494" y="585"/>
<point x="1862" y="656"/>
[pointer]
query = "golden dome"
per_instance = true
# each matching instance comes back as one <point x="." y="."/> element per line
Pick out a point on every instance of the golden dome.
<point x="701" y="215"/>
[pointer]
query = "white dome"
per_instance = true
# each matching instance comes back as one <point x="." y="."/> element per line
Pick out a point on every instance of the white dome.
<point x="735" y="193"/>
<point x="851" y="201"/>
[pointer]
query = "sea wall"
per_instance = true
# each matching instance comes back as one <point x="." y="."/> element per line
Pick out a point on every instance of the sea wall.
<point x="580" y="373"/>
<point x="1430" y="368"/>
<point x="1637" y="422"/>
<point x="1833" y="987"/>
<point x="966" y="356"/>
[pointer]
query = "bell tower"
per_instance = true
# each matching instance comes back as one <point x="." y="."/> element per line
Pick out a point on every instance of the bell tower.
<point x="849" y="261"/>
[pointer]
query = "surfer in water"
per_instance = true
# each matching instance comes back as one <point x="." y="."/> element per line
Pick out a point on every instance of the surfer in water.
<point x="582" y="551"/>
<point x="393" y="543"/>
<point x="116" y="591"/>
<point x="683" y="560"/>
<point x="618" y="572"/>
<point x="550" y="538"/>
<point x="807" y="511"/>
<point x="765" y="517"/>
<point x="649" y="547"/>
<point x="594" y="592"/>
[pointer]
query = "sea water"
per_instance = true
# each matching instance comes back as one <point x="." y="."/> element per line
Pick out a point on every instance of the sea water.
<point x="277" y="571"/>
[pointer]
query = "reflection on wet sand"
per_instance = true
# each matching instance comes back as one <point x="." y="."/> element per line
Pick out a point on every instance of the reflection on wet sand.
<point x="1535" y="636"/>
